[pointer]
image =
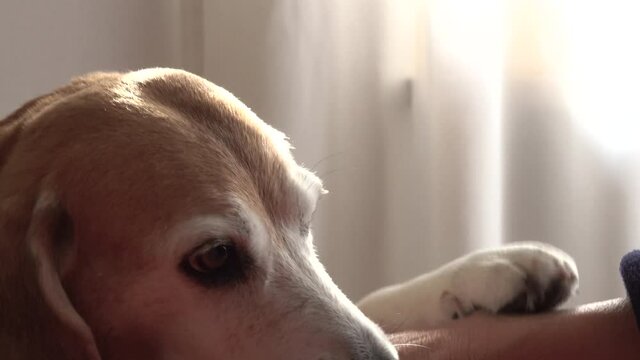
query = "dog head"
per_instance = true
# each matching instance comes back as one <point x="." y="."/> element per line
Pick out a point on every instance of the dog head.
<point x="152" y="215"/>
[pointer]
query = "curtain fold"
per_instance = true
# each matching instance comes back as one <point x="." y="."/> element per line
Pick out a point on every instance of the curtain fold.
<point x="439" y="126"/>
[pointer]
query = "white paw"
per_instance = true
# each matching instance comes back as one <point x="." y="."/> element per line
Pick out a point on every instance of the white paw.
<point x="517" y="278"/>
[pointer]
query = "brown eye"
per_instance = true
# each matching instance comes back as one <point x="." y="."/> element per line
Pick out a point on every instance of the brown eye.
<point x="216" y="263"/>
<point x="209" y="257"/>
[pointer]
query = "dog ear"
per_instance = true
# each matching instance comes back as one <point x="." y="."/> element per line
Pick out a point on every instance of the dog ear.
<point x="49" y="241"/>
<point x="37" y="318"/>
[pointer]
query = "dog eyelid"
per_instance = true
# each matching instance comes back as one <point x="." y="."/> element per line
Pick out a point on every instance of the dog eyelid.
<point x="234" y="270"/>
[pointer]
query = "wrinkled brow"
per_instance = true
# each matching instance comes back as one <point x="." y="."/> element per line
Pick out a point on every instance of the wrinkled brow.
<point x="310" y="189"/>
<point x="189" y="233"/>
<point x="238" y="220"/>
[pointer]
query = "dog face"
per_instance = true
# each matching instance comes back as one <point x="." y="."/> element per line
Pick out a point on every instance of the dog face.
<point x="151" y="215"/>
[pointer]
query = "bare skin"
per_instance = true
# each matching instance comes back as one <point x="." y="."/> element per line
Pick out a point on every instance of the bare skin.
<point x="603" y="330"/>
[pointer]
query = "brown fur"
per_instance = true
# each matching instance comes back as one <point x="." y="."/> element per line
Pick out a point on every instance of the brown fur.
<point x="114" y="151"/>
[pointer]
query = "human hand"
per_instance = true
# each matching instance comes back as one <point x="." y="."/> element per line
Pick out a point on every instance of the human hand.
<point x="603" y="330"/>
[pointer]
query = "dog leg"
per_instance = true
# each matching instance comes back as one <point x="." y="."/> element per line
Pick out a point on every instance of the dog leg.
<point x="517" y="278"/>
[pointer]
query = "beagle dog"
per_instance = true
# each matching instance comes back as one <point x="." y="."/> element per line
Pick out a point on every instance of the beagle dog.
<point x="152" y="215"/>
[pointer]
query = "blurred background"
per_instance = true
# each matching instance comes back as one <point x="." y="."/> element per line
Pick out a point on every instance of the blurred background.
<point x="439" y="126"/>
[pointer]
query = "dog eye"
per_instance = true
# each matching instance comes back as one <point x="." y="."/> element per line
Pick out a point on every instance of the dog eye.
<point x="210" y="257"/>
<point x="215" y="263"/>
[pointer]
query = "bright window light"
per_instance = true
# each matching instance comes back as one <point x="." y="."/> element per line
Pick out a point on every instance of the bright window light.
<point x="603" y="71"/>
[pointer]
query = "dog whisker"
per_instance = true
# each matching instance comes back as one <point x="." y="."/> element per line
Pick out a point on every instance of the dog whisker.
<point x="325" y="175"/>
<point x="330" y="156"/>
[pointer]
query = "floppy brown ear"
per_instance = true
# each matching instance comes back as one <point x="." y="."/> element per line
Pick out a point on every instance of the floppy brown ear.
<point x="48" y="238"/>
<point x="38" y="319"/>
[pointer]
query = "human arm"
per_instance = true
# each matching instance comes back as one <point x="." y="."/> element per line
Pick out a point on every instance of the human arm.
<point x="604" y="330"/>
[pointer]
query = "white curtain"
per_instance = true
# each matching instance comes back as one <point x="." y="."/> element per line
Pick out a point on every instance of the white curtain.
<point x="439" y="126"/>
<point x="445" y="126"/>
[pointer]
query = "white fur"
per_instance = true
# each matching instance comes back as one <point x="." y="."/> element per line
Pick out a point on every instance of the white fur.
<point x="310" y="189"/>
<point x="300" y="272"/>
<point x="347" y="319"/>
<point x="255" y="232"/>
<point x="187" y="234"/>
<point x="486" y="279"/>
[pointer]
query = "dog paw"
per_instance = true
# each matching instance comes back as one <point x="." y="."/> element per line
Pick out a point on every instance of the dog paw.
<point x="517" y="278"/>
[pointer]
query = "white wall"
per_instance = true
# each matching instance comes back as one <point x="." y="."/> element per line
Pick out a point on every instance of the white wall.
<point x="45" y="43"/>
